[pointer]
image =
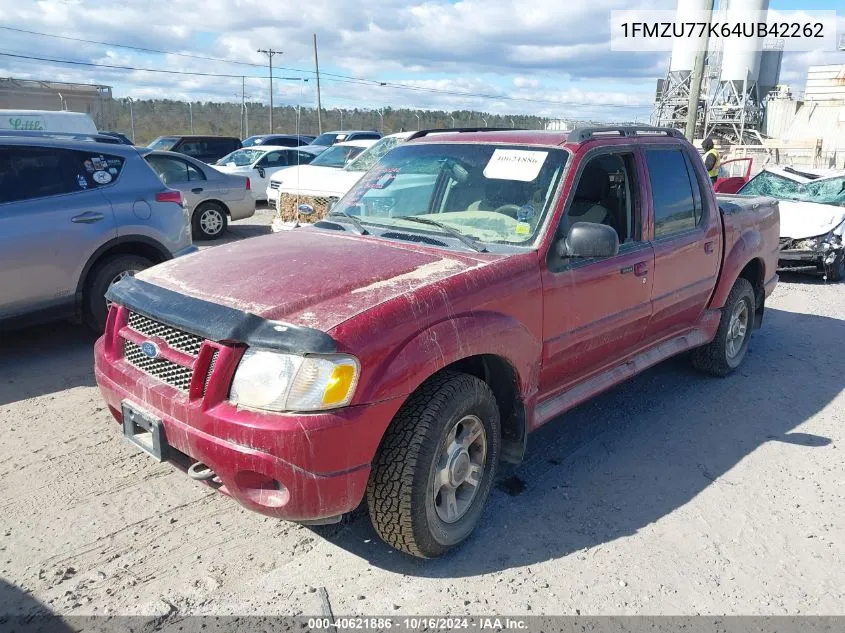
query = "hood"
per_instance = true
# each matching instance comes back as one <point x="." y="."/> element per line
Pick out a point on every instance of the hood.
<point x="800" y="220"/>
<point x="316" y="180"/>
<point x="307" y="277"/>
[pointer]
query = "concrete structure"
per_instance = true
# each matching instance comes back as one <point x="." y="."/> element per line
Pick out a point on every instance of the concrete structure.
<point x="29" y="94"/>
<point x="826" y="84"/>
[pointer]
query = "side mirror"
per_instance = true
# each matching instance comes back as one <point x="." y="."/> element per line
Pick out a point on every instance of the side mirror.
<point x="261" y="171"/>
<point x="587" y="239"/>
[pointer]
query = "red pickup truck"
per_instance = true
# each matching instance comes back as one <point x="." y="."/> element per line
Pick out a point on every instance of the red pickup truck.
<point x="474" y="285"/>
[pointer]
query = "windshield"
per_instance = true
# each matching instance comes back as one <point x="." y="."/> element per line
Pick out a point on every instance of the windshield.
<point x="337" y="155"/>
<point x="241" y="157"/>
<point x="252" y="140"/>
<point x="329" y="138"/>
<point x="493" y="193"/>
<point x="826" y="191"/>
<point x="373" y="154"/>
<point x="163" y="143"/>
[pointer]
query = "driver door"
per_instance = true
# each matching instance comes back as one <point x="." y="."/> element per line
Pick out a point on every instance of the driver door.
<point x="596" y="311"/>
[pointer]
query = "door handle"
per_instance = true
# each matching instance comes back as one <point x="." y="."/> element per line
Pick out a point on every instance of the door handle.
<point x="708" y="247"/>
<point x="196" y="190"/>
<point x="641" y="269"/>
<point x="89" y="217"/>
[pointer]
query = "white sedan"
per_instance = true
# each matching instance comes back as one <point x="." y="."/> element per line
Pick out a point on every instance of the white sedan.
<point x="260" y="163"/>
<point x="812" y="216"/>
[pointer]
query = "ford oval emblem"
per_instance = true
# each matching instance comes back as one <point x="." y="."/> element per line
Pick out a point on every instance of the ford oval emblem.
<point x="150" y="349"/>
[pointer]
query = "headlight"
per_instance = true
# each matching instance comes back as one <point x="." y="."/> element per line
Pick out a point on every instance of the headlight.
<point x="288" y="382"/>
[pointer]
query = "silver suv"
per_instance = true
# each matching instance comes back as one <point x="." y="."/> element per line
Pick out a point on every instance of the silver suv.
<point x="76" y="215"/>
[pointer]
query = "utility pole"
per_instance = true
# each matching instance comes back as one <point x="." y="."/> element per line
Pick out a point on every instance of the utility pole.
<point x="319" y="106"/>
<point x="131" y="118"/>
<point x="270" y="52"/>
<point x="417" y="114"/>
<point x="243" y="104"/>
<point x="697" y="76"/>
<point x="191" y="115"/>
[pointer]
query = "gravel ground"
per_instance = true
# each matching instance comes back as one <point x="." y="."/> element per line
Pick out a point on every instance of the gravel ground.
<point x="674" y="493"/>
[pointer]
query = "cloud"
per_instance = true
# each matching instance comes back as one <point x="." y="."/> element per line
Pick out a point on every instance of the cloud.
<point x="556" y="54"/>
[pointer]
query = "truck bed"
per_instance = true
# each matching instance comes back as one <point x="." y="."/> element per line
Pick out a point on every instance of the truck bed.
<point x="751" y="225"/>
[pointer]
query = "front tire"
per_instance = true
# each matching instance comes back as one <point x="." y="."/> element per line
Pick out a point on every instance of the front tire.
<point x="725" y="352"/>
<point x="210" y="221"/>
<point x="100" y="280"/>
<point x="435" y="468"/>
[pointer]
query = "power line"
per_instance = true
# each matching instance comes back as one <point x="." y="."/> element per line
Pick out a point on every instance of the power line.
<point x="333" y="76"/>
<point x="146" y="70"/>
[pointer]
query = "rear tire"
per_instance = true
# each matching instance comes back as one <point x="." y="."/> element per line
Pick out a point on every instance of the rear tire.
<point x="725" y="352"/>
<point x="435" y="468"/>
<point x="210" y="221"/>
<point x="101" y="278"/>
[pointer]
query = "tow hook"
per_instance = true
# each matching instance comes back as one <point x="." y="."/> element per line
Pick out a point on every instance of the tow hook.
<point x="200" y="472"/>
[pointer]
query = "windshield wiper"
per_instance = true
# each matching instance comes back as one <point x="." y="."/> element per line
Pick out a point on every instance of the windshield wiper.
<point x="355" y="221"/>
<point x="466" y="239"/>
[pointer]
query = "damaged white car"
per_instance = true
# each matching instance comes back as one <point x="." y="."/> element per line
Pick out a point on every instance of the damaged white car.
<point x="812" y="216"/>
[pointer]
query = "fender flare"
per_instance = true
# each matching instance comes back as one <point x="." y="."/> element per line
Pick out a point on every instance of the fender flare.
<point x="459" y="338"/>
<point x="123" y="240"/>
<point x="745" y="250"/>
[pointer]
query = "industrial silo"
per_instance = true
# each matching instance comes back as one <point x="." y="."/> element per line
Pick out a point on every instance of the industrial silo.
<point x="672" y="98"/>
<point x="769" y="75"/>
<point x="736" y="106"/>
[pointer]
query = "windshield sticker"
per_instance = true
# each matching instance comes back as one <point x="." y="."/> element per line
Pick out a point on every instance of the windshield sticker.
<point x="83" y="184"/>
<point x="377" y="178"/>
<point x="522" y="228"/>
<point x="515" y="164"/>
<point x="89" y="167"/>
<point x="102" y="177"/>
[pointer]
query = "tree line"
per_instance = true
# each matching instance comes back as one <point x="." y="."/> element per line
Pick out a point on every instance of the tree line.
<point x="158" y="117"/>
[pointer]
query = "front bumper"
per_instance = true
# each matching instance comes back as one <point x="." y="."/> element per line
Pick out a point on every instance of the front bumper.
<point x="306" y="467"/>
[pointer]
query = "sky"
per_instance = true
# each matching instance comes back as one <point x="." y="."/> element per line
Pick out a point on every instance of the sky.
<point x="542" y="57"/>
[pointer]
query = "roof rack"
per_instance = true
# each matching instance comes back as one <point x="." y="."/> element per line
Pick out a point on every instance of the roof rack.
<point x="70" y="136"/>
<point x="421" y="133"/>
<point x="581" y="134"/>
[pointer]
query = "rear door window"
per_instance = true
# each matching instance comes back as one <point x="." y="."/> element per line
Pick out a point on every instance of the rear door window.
<point x="172" y="170"/>
<point x="27" y="173"/>
<point x="672" y="193"/>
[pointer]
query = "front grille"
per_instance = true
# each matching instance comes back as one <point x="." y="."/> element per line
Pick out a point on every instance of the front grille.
<point x="287" y="206"/>
<point x="167" y="371"/>
<point x="785" y="243"/>
<point x="177" y="339"/>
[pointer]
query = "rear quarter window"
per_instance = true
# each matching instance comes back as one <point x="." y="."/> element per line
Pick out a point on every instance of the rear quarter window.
<point x="96" y="169"/>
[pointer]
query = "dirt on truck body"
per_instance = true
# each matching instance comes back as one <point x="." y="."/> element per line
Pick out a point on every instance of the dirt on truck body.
<point x="482" y="283"/>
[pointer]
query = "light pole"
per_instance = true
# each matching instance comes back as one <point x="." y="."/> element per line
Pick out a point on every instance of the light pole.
<point x="191" y="115"/>
<point x="453" y="120"/>
<point x="512" y="124"/>
<point x="131" y="118"/>
<point x="485" y="121"/>
<point x="62" y="101"/>
<point x="341" y="117"/>
<point x="417" y="114"/>
<point x="270" y="52"/>
<point x="381" y="118"/>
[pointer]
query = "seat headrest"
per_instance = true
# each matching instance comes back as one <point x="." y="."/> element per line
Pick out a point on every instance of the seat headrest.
<point x="594" y="184"/>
